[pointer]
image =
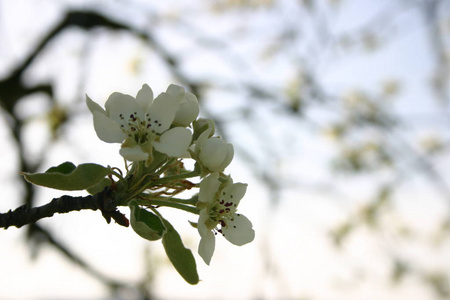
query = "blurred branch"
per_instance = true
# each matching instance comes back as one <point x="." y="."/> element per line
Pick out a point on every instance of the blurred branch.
<point x="44" y="235"/>
<point x="431" y="11"/>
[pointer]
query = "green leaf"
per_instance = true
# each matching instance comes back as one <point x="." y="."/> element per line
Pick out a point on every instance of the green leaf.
<point x="68" y="177"/>
<point x="181" y="257"/>
<point x="64" y="168"/>
<point x="146" y="224"/>
<point x="99" y="186"/>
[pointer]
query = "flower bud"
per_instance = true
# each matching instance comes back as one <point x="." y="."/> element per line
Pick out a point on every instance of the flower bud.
<point x="215" y="154"/>
<point x="203" y="125"/>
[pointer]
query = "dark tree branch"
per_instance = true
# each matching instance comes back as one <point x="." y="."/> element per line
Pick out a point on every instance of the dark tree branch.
<point x="102" y="201"/>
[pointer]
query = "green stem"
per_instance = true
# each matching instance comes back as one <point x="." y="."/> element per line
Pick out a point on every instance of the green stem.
<point x="191" y="201"/>
<point x="156" y="164"/>
<point x="167" y="165"/>
<point x="121" y="179"/>
<point x="184" y="207"/>
<point x="177" y="177"/>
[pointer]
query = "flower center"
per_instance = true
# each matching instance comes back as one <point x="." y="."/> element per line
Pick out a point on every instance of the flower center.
<point x="139" y="130"/>
<point x="222" y="211"/>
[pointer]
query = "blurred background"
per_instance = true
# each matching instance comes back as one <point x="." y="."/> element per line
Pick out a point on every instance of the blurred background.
<point x="338" y="111"/>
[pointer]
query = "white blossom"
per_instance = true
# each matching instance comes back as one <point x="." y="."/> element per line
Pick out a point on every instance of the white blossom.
<point x="218" y="202"/>
<point x="142" y="123"/>
<point x="213" y="153"/>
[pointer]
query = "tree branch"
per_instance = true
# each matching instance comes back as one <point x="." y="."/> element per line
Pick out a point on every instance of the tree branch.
<point x="102" y="201"/>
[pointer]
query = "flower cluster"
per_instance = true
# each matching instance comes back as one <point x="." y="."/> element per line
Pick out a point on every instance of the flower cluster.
<point x="157" y="134"/>
<point x="142" y="123"/>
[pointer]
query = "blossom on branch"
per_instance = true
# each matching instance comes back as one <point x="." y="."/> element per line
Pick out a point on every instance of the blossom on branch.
<point x="218" y="201"/>
<point x="142" y="123"/>
<point x="213" y="153"/>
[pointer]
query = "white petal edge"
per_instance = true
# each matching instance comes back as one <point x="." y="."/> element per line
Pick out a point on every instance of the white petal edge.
<point x="214" y="153"/>
<point x="237" y="190"/>
<point x="163" y="110"/>
<point x="122" y="104"/>
<point x="188" y="111"/>
<point x="229" y="156"/>
<point x="174" y="142"/>
<point x="176" y="91"/>
<point x="239" y="231"/>
<point x="107" y="129"/>
<point x="207" y="243"/>
<point x="133" y="153"/>
<point x="144" y="97"/>
<point x="93" y="106"/>
<point x="208" y="188"/>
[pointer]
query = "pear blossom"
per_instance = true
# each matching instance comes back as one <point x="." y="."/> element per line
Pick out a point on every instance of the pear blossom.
<point x="202" y="124"/>
<point x="142" y="123"/>
<point x="188" y="110"/>
<point x="213" y="153"/>
<point x="218" y="203"/>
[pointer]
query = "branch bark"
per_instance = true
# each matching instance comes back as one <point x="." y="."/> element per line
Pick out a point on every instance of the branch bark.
<point x="102" y="201"/>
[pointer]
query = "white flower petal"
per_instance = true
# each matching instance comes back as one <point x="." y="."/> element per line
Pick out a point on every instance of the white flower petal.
<point x="208" y="188"/>
<point x="208" y="240"/>
<point x="121" y="104"/>
<point x="107" y="129"/>
<point x="176" y="91"/>
<point x="174" y="142"/>
<point x="133" y="153"/>
<point x="162" y="112"/>
<point x="188" y="111"/>
<point x="94" y="106"/>
<point x="216" y="154"/>
<point x="239" y="231"/>
<point x="144" y="97"/>
<point x="203" y="230"/>
<point x="229" y="157"/>
<point x="202" y="138"/>
<point x="234" y="192"/>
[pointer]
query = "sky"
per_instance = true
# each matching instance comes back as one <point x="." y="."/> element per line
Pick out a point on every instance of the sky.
<point x="295" y="234"/>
